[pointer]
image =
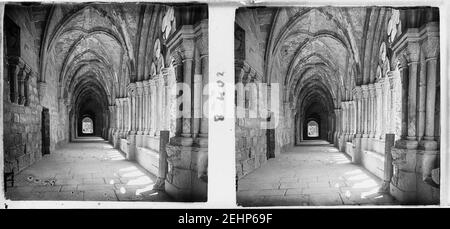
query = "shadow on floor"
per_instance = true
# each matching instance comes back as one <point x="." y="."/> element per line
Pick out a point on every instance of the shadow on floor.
<point x="89" y="169"/>
<point x="311" y="175"/>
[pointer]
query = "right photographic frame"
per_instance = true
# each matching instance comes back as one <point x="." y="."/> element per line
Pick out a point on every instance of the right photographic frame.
<point x="337" y="106"/>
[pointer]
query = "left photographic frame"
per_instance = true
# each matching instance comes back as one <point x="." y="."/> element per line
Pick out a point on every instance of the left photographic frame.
<point x="104" y="102"/>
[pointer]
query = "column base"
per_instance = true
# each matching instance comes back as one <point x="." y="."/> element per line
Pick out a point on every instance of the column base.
<point x="385" y="187"/>
<point x="202" y="141"/>
<point x="181" y="141"/>
<point x="160" y="184"/>
<point x="428" y="145"/>
<point x="131" y="155"/>
<point x="412" y="169"/>
<point x="356" y="159"/>
<point x="406" y="144"/>
<point x="341" y="143"/>
<point x="186" y="178"/>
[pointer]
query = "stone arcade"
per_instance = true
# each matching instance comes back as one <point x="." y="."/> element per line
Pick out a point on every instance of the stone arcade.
<point x="76" y="72"/>
<point x="362" y="77"/>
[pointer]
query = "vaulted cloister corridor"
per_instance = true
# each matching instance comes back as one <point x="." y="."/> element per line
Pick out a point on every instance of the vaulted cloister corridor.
<point x="77" y="72"/>
<point x="312" y="174"/>
<point x="87" y="169"/>
<point x="364" y="79"/>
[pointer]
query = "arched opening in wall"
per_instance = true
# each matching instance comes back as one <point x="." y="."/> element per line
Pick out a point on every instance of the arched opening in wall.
<point x="87" y="126"/>
<point x="90" y="115"/>
<point x="11" y="54"/>
<point x="314" y="119"/>
<point x="313" y="129"/>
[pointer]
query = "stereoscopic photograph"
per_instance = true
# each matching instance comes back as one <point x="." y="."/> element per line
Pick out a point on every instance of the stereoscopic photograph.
<point x="337" y="106"/>
<point x="103" y="101"/>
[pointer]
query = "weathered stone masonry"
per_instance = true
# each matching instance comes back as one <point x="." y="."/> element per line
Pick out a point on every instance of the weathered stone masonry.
<point x="360" y="73"/>
<point x="119" y="65"/>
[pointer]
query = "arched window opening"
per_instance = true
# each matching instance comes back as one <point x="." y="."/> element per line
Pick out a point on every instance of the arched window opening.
<point x="87" y="126"/>
<point x="313" y="129"/>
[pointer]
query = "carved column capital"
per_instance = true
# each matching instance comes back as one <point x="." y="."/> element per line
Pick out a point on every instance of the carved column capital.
<point x="131" y="89"/>
<point x="371" y="89"/>
<point x="152" y="83"/>
<point x="146" y="86"/>
<point x="139" y="88"/>
<point x="365" y="91"/>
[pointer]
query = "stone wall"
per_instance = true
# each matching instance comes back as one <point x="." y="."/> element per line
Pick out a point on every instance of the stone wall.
<point x="251" y="146"/>
<point x="22" y="129"/>
<point x="251" y="136"/>
<point x="22" y="120"/>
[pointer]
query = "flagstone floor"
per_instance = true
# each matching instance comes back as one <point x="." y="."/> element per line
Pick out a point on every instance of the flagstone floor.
<point x="313" y="174"/>
<point x="89" y="169"/>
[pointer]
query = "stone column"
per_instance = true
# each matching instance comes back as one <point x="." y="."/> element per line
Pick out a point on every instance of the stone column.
<point x="162" y="107"/>
<point x="413" y="62"/>
<point x="391" y="105"/>
<point x="132" y="96"/>
<point x="421" y="101"/>
<point x="337" y="111"/>
<point x="158" y="106"/>
<point x="356" y="96"/>
<point x="145" y="107"/>
<point x="21" y="81"/>
<point x="357" y="91"/>
<point x="128" y="102"/>
<point x="372" y="110"/>
<point x="139" y="108"/>
<point x="404" y="94"/>
<point x="149" y="107"/>
<point x="118" y="117"/>
<point x="205" y="106"/>
<point x="253" y="103"/>
<point x="365" y="120"/>
<point x="31" y="76"/>
<point x="429" y="142"/>
<point x="15" y="70"/>
<point x="344" y="120"/>
<point x="384" y="107"/>
<point x="378" y="109"/>
<point x="112" y="122"/>
<point x="125" y="115"/>
<point x="347" y="121"/>
<point x="153" y="106"/>
<point x="197" y="103"/>
<point x="354" y="117"/>
<point x="187" y="80"/>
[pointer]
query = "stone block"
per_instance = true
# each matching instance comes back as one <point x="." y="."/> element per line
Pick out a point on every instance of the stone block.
<point x="248" y="165"/>
<point x="426" y="193"/>
<point x="406" y="180"/>
<point x="272" y="192"/>
<point x="404" y="159"/>
<point x="179" y="194"/>
<point x="181" y="178"/>
<point x="178" y="156"/>
<point x="405" y="197"/>
<point x="16" y="118"/>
